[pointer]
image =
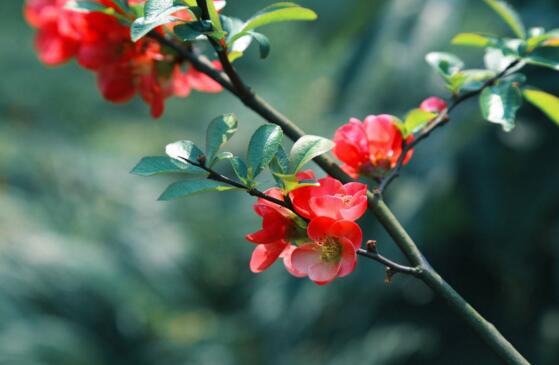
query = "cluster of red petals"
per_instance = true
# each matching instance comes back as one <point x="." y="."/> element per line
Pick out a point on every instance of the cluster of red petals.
<point x="102" y="44"/>
<point x="372" y="147"/>
<point x="369" y="148"/>
<point x="326" y="246"/>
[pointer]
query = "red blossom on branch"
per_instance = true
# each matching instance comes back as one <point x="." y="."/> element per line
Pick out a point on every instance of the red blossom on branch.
<point x="370" y="148"/>
<point x="331" y="252"/>
<point x="102" y="44"/>
<point x="434" y="104"/>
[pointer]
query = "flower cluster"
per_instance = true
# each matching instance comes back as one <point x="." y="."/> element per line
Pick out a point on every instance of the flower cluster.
<point x="318" y="238"/>
<point x="373" y="147"/>
<point x="102" y="44"/>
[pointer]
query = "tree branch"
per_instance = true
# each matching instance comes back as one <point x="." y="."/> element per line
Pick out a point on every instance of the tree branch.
<point x="438" y="122"/>
<point x="485" y="330"/>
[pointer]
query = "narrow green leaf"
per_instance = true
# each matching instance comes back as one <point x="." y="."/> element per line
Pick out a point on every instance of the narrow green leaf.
<point x="280" y="163"/>
<point x="305" y="149"/>
<point x="416" y="119"/>
<point x="186" y="188"/>
<point x="219" y="132"/>
<point x="500" y="103"/>
<point x="542" y="61"/>
<point x="509" y="15"/>
<point x="446" y="64"/>
<point x="263" y="43"/>
<point x="547" y="103"/>
<point x="262" y="148"/>
<point x="472" y="39"/>
<point x="240" y="169"/>
<point x="214" y="16"/>
<point x="280" y="12"/>
<point x="149" y="166"/>
<point x="184" y="150"/>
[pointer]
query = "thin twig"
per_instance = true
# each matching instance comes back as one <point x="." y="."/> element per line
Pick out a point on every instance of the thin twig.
<point x="438" y="122"/>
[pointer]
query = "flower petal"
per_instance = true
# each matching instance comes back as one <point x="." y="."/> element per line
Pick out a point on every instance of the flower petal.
<point x="303" y="257"/>
<point x="324" y="272"/>
<point x="348" y="230"/>
<point x="264" y="256"/>
<point x="348" y="259"/>
<point x="319" y="228"/>
<point x="287" y="261"/>
<point x="326" y="206"/>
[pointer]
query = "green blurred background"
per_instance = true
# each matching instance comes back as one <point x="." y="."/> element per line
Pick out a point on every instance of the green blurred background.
<point x="93" y="270"/>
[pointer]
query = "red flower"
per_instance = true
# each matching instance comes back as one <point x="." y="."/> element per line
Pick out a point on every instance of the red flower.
<point x="102" y="44"/>
<point x="278" y="230"/>
<point x="371" y="147"/>
<point x="331" y="199"/>
<point x="434" y="105"/>
<point x="57" y="38"/>
<point x="331" y="252"/>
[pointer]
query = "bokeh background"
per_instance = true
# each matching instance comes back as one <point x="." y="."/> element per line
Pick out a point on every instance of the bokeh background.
<point x="93" y="270"/>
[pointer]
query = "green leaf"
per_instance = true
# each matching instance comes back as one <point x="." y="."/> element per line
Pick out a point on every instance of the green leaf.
<point x="289" y="182"/>
<point x="184" y="150"/>
<point x="509" y="15"/>
<point x="416" y="119"/>
<point x="219" y="132"/>
<point x="500" y="103"/>
<point x="280" y="163"/>
<point x="214" y="17"/>
<point x="469" y="80"/>
<point x="155" y="16"/>
<point x="263" y="43"/>
<point x="542" y="61"/>
<point x="547" y="103"/>
<point x="192" y="31"/>
<point x="149" y="166"/>
<point x="262" y="148"/>
<point x="496" y="60"/>
<point x="191" y="187"/>
<point x="445" y="64"/>
<point x="280" y="12"/>
<point x="472" y="39"/>
<point x="240" y="169"/>
<point x="305" y="149"/>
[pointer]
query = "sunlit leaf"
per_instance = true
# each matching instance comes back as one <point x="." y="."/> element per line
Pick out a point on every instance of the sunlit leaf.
<point x="547" y="103"/>
<point x="500" y="103"/>
<point x="280" y="12"/>
<point x="305" y="149"/>
<point x="472" y="39"/>
<point x="509" y="15"/>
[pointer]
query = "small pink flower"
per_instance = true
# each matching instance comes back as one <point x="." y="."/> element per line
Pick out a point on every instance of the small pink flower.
<point x="434" y="105"/>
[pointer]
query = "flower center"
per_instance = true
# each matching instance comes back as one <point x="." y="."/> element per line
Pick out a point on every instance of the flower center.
<point x="331" y="250"/>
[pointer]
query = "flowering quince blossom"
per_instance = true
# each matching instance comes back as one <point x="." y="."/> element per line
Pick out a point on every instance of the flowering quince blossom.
<point x="331" y="239"/>
<point x="370" y="148"/>
<point x="102" y="44"/>
<point x="279" y="228"/>
<point x="331" y="252"/>
<point x="434" y="104"/>
<point x="331" y="199"/>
